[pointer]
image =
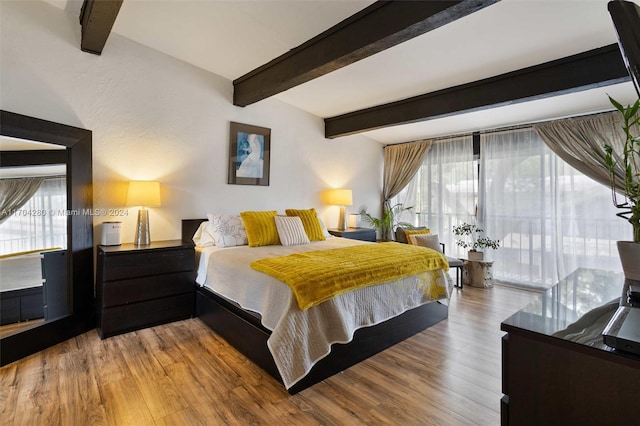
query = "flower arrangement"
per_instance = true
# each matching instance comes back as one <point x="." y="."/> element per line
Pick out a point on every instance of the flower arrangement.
<point x="471" y="239"/>
<point x="629" y="163"/>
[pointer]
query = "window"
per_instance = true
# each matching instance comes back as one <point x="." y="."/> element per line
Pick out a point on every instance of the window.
<point x="41" y="223"/>
<point x="549" y="217"/>
<point x="444" y="190"/>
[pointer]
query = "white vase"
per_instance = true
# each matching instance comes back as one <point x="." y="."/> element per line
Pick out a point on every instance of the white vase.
<point x="630" y="258"/>
<point x="475" y="255"/>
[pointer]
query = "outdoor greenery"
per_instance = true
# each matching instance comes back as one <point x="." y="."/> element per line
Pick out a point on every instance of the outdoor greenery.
<point x="471" y="238"/>
<point x="629" y="162"/>
<point x="387" y="223"/>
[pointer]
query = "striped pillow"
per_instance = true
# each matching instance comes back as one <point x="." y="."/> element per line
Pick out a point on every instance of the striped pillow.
<point x="291" y="231"/>
<point x="310" y="222"/>
<point x="261" y="228"/>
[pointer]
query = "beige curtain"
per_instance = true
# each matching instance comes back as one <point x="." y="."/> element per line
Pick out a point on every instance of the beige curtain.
<point x="401" y="162"/>
<point x="580" y="142"/>
<point x="14" y="193"/>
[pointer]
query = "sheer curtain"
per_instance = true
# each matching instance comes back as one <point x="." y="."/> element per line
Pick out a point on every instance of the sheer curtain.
<point x="444" y="190"/>
<point x="550" y="218"/>
<point x="40" y="223"/>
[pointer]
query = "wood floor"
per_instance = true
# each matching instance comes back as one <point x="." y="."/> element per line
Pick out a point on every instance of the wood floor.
<point x="183" y="374"/>
<point x="19" y="327"/>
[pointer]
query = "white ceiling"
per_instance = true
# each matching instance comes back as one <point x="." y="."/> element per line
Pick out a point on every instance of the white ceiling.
<point x="33" y="171"/>
<point x="8" y="143"/>
<point x="231" y="38"/>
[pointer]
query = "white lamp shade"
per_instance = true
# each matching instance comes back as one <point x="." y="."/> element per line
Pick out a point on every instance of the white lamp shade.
<point x="143" y="193"/>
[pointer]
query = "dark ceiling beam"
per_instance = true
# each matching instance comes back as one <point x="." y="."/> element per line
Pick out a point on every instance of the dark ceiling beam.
<point x="380" y="26"/>
<point x="594" y="68"/>
<point x="97" y="18"/>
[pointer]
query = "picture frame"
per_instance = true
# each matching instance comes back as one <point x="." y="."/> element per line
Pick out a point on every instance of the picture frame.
<point x="249" y="155"/>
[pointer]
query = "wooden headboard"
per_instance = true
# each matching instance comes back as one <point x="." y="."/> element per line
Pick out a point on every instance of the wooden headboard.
<point x="189" y="227"/>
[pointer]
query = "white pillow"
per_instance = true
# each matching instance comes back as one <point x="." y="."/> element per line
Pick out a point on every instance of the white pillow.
<point x="325" y="231"/>
<point x="228" y="230"/>
<point x="427" y="240"/>
<point x="204" y="235"/>
<point x="291" y="231"/>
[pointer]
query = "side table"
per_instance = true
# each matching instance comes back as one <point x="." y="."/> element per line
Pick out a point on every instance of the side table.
<point x="363" y="234"/>
<point x="477" y="273"/>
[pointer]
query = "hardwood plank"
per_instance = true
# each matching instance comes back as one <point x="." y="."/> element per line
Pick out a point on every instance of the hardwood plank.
<point x="109" y="364"/>
<point x="79" y="394"/>
<point x="160" y="395"/>
<point x="186" y="417"/>
<point x="124" y="404"/>
<point x="8" y="392"/>
<point x="37" y="382"/>
<point x="205" y="398"/>
<point x="47" y="414"/>
<point x="183" y="373"/>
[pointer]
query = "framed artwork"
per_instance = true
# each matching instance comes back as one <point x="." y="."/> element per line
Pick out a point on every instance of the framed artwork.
<point x="249" y="155"/>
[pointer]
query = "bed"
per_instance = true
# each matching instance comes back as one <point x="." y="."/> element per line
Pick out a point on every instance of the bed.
<point x="251" y="328"/>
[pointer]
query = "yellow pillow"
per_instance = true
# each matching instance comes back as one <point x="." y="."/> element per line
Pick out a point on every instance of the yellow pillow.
<point x="261" y="228"/>
<point x="410" y="232"/>
<point x="310" y="223"/>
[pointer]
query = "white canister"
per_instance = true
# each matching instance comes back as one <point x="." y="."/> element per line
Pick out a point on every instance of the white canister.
<point x="111" y="234"/>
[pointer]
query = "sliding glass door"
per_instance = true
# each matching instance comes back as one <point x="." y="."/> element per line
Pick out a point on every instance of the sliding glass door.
<point x="549" y="217"/>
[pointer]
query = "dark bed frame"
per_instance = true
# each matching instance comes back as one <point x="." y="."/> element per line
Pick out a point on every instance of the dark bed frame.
<point x="243" y="331"/>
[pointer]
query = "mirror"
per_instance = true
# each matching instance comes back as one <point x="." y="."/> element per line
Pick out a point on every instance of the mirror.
<point x="68" y="309"/>
<point x="33" y="239"/>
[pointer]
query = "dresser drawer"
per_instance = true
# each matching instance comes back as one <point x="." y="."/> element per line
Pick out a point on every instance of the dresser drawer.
<point x="143" y="286"/>
<point x="124" y="318"/>
<point x="138" y="264"/>
<point x="122" y="292"/>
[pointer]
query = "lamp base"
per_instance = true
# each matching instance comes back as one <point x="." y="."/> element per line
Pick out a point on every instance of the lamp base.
<point x="342" y="219"/>
<point x="142" y="237"/>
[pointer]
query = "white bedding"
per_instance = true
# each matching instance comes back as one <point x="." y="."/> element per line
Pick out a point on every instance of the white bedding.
<point x="299" y="339"/>
<point x="20" y="272"/>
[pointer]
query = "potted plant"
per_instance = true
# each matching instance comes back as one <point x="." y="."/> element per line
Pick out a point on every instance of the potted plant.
<point x="473" y="241"/>
<point x="387" y="222"/>
<point x="624" y="169"/>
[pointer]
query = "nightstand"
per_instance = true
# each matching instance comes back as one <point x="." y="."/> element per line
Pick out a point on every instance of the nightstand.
<point x="363" y="234"/>
<point x="143" y="286"/>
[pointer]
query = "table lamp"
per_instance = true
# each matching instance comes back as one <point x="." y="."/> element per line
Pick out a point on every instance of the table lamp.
<point x="342" y="198"/>
<point x="144" y="194"/>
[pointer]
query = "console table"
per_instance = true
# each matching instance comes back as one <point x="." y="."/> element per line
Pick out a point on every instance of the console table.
<point x="556" y="368"/>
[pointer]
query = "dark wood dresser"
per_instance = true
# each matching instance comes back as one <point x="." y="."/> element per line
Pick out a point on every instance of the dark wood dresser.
<point x="556" y="370"/>
<point x="142" y="286"/>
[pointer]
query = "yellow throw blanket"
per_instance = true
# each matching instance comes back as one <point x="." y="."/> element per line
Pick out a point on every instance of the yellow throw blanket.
<point x="317" y="276"/>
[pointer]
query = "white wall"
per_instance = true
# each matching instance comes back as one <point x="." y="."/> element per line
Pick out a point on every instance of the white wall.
<point x="157" y="118"/>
